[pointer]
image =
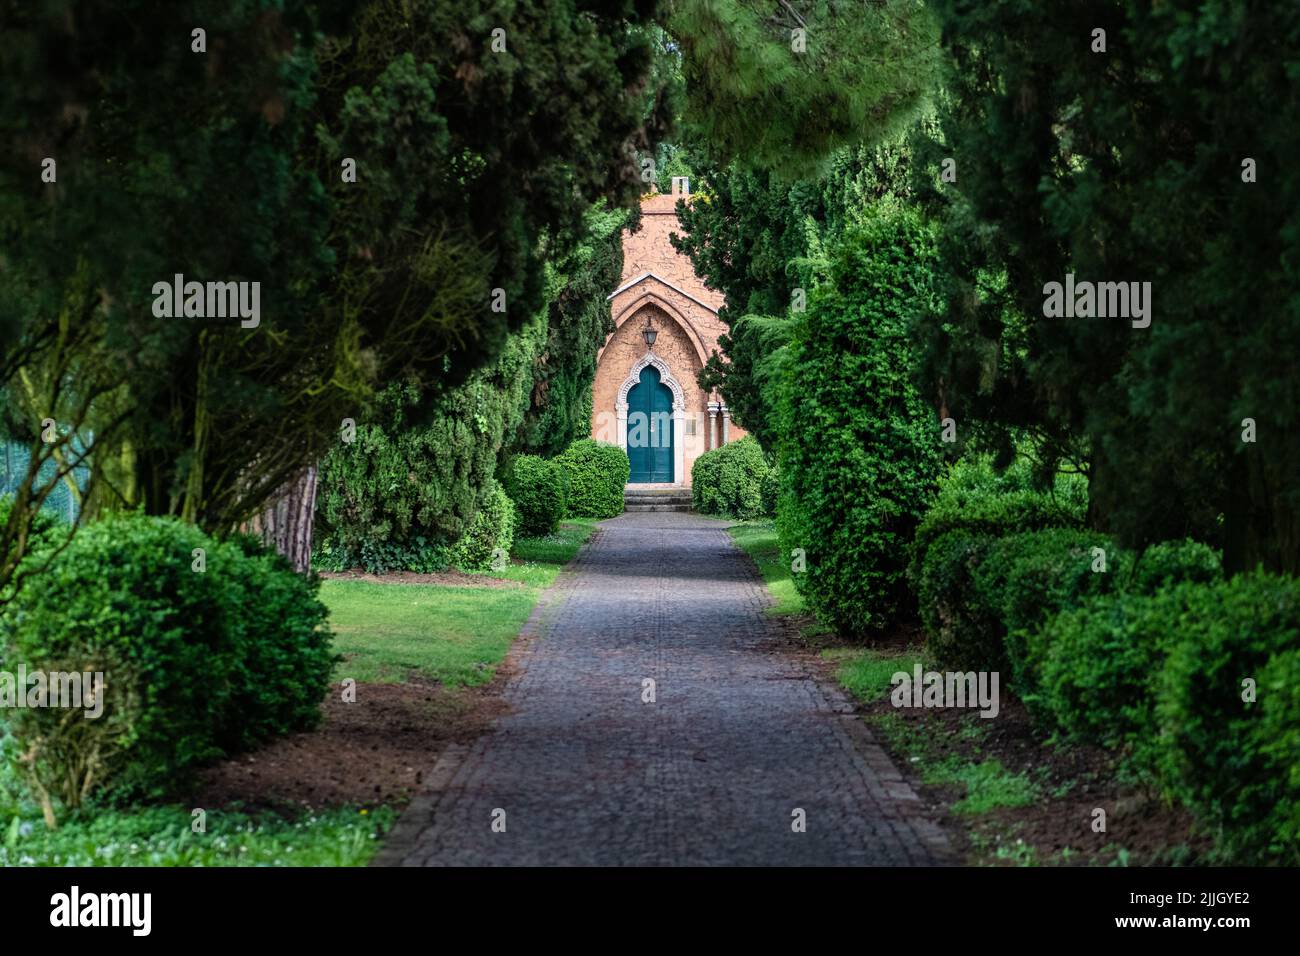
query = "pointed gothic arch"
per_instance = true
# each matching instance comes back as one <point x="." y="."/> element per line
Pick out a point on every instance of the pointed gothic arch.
<point x="666" y="377"/>
<point x="648" y="298"/>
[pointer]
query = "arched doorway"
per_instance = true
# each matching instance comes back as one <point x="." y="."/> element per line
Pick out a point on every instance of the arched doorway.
<point x="650" y="429"/>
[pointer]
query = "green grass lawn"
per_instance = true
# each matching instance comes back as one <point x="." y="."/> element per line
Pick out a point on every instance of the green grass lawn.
<point x="987" y="784"/>
<point x="162" y="836"/>
<point x="866" y="674"/>
<point x="758" y="540"/>
<point x="456" y="635"/>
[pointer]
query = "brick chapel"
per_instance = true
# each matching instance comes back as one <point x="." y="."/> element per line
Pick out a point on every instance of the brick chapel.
<point x="645" y="397"/>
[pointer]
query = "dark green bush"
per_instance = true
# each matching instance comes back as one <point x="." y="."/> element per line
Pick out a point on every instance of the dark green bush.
<point x="536" y="486"/>
<point x="1044" y="585"/>
<point x="1098" y="666"/>
<point x="1224" y="757"/>
<point x="196" y="663"/>
<point x="1032" y="576"/>
<point x="283" y="659"/>
<point x="729" y="480"/>
<point x="487" y="543"/>
<point x="979" y="594"/>
<point x="985" y="508"/>
<point x="859" y="447"/>
<point x="123" y="595"/>
<point x="1160" y="678"/>
<point x="1173" y="562"/>
<point x="960" y="632"/>
<point x="595" y="477"/>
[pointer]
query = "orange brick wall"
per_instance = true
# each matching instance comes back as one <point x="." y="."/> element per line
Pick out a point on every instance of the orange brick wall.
<point x="681" y="308"/>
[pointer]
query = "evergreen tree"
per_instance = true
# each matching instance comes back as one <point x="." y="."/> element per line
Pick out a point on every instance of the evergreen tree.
<point x="758" y="239"/>
<point x="1131" y="165"/>
<point x="781" y="85"/>
<point x="224" y="158"/>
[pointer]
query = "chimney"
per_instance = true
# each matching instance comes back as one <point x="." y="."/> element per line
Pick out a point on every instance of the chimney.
<point x="681" y="187"/>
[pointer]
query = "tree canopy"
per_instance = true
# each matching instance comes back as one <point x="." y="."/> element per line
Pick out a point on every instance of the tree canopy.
<point x="476" y="130"/>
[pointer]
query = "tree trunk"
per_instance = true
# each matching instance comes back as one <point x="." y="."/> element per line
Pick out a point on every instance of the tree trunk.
<point x="287" y="523"/>
<point x="1262" y="529"/>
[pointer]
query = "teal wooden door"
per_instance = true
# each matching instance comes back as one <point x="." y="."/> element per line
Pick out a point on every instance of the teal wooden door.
<point x="650" y="428"/>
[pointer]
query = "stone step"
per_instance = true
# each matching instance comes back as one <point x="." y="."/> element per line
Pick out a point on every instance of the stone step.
<point x="656" y="507"/>
<point x="686" y="501"/>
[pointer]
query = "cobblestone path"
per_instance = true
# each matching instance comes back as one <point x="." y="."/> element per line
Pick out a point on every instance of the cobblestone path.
<point x="739" y="736"/>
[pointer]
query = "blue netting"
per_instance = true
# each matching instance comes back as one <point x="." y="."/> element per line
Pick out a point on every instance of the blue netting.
<point x="13" y="468"/>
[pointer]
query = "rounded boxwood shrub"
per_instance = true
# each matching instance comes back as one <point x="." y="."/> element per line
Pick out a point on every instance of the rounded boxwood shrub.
<point x="1030" y="577"/>
<point x="985" y="508"/>
<point x="536" y="486"/>
<point x="980" y="595"/>
<point x="284" y="660"/>
<point x="1173" y="562"/>
<point x="596" y="475"/>
<point x="196" y="662"/>
<point x="728" y="481"/>
<point x="860" y="449"/>
<point x="1047" y="580"/>
<point x="961" y="634"/>
<point x="1098" y="667"/>
<point x="1223" y="756"/>
<point x="491" y="534"/>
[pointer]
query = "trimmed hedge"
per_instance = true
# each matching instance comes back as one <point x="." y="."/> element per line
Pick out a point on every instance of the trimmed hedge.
<point x="983" y="598"/>
<point x="975" y="500"/>
<point x="958" y="630"/>
<point x="491" y="534"/>
<point x="980" y="593"/>
<point x="536" y="486"/>
<point x="1232" y="761"/>
<point x="729" y="481"/>
<point x="1035" y="575"/>
<point x="1029" y="641"/>
<point x="596" y="475"/>
<point x="1174" y="562"/>
<point x="1147" y="658"/>
<point x="1098" y="667"/>
<point x="197" y="663"/>
<point x="859" y="449"/>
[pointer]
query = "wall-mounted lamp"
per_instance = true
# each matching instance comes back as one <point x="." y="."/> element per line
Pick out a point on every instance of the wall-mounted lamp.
<point x="649" y="334"/>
